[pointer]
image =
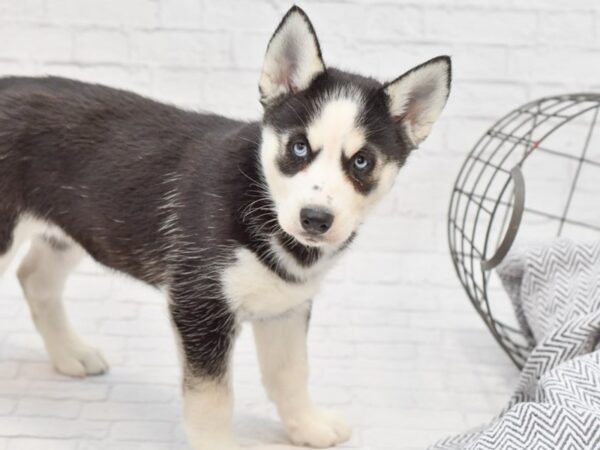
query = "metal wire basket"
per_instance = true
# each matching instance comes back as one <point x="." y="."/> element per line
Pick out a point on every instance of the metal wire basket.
<point x="552" y="147"/>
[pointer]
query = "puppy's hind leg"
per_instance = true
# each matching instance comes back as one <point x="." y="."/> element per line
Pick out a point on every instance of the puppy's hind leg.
<point x="42" y="274"/>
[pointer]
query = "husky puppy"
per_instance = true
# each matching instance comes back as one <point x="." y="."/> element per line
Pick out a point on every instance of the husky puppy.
<point x="235" y="221"/>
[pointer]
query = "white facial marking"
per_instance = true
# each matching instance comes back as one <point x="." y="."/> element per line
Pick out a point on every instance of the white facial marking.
<point x="333" y="135"/>
<point x="336" y="129"/>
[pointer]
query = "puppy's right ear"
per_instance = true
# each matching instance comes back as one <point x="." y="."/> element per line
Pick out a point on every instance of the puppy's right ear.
<point x="293" y="58"/>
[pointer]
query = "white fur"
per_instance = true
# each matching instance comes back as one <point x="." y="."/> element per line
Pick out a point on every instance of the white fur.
<point x="42" y="275"/>
<point x="282" y="354"/>
<point x="207" y="411"/>
<point x="292" y="59"/>
<point x="26" y="227"/>
<point x="278" y="310"/>
<point x="254" y="291"/>
<point x="420" y="96"/>
<point x="335" y="130"/>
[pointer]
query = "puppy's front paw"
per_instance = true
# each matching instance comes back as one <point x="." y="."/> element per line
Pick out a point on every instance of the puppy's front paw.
<point x="76" y="359"/>
<point x="318" y="428"/>
<point x="205" y="441"/>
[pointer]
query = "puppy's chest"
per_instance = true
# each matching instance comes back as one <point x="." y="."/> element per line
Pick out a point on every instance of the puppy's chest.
<point x="255" y="292"/>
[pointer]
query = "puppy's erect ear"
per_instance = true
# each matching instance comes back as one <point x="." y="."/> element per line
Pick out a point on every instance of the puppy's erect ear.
<point x="293" y="57"/>
<point x="417" y="98"/>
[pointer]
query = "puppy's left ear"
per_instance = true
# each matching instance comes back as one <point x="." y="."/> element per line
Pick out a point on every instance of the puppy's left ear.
<point x="417" y="98"/>
<point x="293" y="57"/>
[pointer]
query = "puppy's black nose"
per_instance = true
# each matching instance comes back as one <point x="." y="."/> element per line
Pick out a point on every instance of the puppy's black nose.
<point x="316" y="220"/>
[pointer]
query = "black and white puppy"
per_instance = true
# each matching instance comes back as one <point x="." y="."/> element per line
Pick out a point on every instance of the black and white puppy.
<point x="236" y="221"/>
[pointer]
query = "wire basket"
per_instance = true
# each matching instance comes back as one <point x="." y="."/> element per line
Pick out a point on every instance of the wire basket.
<point x="549" y="147"/>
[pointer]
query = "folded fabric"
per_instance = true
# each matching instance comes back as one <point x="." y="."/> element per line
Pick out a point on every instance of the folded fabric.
<point x="549" y="284"/>
<point x="555" y="290"/>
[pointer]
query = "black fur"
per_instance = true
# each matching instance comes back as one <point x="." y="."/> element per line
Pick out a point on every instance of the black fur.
<point x="294" y="111"/>
<point x="363" y="181"/>
<point x="159" y="193"/>
<point x="289" y="163"/>
<point x="171" y="196"/>
<point x="167" y="195"/>
<point x="103" y="164"/>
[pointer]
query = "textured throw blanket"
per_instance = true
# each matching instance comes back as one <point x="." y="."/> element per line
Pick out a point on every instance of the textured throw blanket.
<point x="556" y="293"/>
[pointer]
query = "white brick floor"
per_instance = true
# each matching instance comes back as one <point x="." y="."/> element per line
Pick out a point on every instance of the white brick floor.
<point x="407" y="364"/>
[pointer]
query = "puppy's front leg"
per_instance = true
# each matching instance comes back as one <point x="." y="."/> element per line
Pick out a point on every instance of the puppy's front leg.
<point x="206" y="329"/>
<point x="282" y="354"/>
<point x="207" y="411"/>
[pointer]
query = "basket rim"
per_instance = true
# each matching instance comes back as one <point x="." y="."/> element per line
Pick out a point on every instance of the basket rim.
<point x="517" y="355"/>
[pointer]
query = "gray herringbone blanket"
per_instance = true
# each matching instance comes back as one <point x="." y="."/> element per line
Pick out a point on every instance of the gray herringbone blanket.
<point x="556" y="293"/>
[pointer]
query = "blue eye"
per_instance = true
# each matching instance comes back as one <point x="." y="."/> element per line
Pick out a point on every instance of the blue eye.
<point x="301" y="149"/>
<point x="360" y="162"/>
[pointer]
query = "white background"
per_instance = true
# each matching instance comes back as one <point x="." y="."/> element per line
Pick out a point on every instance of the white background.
<point x="395" y="344"/>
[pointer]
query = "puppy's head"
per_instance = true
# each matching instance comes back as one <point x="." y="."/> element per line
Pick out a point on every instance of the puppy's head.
<point x="332" y="141"/>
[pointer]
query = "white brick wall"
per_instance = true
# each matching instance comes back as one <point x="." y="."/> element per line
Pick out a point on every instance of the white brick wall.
<point x="393" y="323"/>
